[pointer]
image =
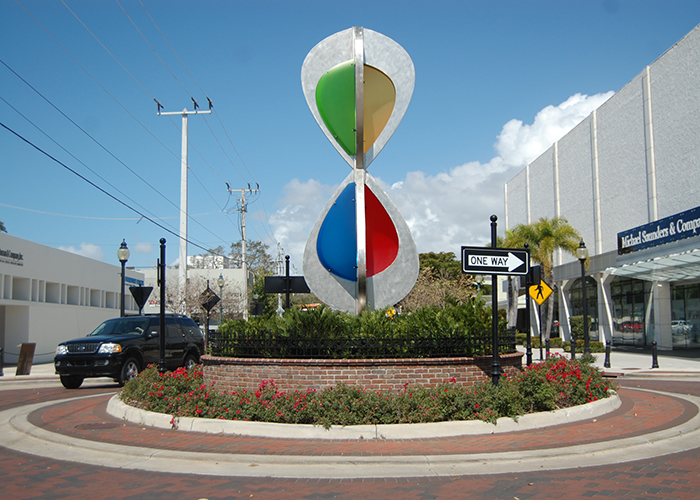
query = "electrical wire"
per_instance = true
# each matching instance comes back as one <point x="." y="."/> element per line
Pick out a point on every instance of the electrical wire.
<point x="69" y="153"/>
<point x="153" y="49"/>
<point x="96" y="142"/>
<point x="115" y="100"/>
<point x="99" y="188"/>
<point x="42" y="212"/>
<point x="266" y="224"/>
<point x="105" y="47"/>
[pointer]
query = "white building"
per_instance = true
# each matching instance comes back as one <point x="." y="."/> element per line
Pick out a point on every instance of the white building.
<point x="628" y="179"/>
<point x="49" y="295"/>
<point x="197" y="278"/>
<point x="209" y="262"/>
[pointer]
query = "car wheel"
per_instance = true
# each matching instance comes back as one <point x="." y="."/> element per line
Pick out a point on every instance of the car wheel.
<point x="190" y="362"/>
<point x="130" y="370"/>
<point x="72" y="381"/>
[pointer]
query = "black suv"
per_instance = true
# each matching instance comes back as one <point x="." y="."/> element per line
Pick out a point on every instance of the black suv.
<point x="121" y="347"/>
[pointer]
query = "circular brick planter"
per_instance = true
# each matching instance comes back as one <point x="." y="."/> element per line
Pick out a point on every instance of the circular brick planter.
<point x="232" y="374"/>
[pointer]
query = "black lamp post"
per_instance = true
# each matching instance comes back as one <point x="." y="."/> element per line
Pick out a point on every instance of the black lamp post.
<point x="479" y="279"/>
<point x="582" y="254"/>
<point x="220" y="282"/>
<point x="123" y="255"/>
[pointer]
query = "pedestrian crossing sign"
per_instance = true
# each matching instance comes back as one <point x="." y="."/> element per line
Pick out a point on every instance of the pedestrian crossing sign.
<point x="540" y="292"/>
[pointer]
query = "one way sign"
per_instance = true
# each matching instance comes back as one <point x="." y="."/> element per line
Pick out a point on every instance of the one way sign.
<point x="509" y="261"/>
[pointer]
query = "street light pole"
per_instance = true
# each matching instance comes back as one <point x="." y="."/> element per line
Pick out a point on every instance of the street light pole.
<point x="123" y="256"/>
<point x="220" y="281"/>
<point x="582" y="254"/>
<point x="496" y="363"/>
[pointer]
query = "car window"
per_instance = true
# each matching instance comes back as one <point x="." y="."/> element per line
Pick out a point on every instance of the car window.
<point x="173" y="328"/>
<point x="121" y="326"/>
<point x="190" y="327"/>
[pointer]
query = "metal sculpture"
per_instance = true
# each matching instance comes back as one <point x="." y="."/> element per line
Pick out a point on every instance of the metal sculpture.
<point x="360" y="253"/>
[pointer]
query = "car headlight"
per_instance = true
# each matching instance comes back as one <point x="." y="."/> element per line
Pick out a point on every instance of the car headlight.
<point x="62" y="349"/>
<point x="109" y="348"/>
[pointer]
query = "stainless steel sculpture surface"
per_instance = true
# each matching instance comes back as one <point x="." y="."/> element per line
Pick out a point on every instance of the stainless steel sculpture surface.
<point x="360" y="253"/>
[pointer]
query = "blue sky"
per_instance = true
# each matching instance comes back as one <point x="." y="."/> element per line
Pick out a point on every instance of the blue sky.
<point x="496" y="83"/>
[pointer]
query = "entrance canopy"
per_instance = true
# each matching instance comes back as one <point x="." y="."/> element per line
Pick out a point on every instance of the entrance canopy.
<point x="675" y="267"/>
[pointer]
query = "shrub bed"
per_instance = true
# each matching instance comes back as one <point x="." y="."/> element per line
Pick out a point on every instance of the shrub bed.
<point x="553" y="384"/>
<point x="457" y="330"/>
<point x="594" y="345"/>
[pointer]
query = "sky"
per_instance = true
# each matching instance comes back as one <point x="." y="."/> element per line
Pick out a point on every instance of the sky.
<point x="87" y="161"/>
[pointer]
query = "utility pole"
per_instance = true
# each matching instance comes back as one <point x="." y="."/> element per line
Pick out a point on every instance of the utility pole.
<point x="280" y="272"/>
<point x="244" y="264"/>
<point x="183" y="191"/>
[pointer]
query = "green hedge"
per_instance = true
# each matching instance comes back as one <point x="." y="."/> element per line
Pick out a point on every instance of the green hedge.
<point x="456" y="330"/>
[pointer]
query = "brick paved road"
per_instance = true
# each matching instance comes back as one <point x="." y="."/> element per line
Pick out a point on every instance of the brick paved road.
<point x="671" y="477"/>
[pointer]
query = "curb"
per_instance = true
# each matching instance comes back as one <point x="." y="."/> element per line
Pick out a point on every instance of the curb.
<point x="118" y="409"/>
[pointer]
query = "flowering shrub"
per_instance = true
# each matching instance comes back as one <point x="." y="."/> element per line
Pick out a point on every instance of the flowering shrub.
<point x="552" y="384"/>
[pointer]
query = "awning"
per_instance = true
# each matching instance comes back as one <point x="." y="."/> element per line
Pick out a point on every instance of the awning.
<point x="676" y="267"/>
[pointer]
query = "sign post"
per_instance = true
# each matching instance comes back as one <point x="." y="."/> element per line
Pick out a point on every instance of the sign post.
<point x="504" y="261"/>
<point x="286" y="284"/>
<point x="495" y="261"/>
<point x="208" y="299"/>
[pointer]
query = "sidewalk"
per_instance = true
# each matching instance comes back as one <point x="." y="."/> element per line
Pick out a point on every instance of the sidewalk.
<point x="631" y="362"/>
<point x="42" y="373"/>
<point x="44" y="370"/>
<point x="623" y="362"/>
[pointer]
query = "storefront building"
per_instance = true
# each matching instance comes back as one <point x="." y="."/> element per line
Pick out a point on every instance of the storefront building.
<point x="48" y="295"/>
<point x="628" y="179"/>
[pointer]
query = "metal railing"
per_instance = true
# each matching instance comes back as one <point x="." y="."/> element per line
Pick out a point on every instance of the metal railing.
<point x="444" y="344"/>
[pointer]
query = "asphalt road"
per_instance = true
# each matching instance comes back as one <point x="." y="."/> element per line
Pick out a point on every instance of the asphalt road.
<point x="670" y="476"/>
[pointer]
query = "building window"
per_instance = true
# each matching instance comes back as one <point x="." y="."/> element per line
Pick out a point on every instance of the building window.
<point x="629" y="297"/>
<point x="576" y="301"/>
<point x="685" y="315"/>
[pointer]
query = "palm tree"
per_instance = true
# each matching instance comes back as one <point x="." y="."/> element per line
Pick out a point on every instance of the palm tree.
<point x="2" y="227"/>
<point x="544" y="237"/>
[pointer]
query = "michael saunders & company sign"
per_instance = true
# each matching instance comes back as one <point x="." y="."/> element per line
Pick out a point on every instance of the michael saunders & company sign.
<point x="676" y="227"/>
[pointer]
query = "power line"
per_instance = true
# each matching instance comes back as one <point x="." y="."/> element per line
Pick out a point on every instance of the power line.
<point x="95" y="185"/>
<point x="109" y="94"/>
<point x="71" y="154"/>
<point x="43" y="212"/>
<point x="265" y="224"/>
<point x="153" y="49"/>
<point x="104" y="46"/>
<point x="94" y="140"/>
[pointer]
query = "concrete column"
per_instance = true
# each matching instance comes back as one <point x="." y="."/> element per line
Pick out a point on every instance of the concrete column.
<point x="565" y="310"/>
<point x="661" y="304"/>
<point x="606" y="322"/>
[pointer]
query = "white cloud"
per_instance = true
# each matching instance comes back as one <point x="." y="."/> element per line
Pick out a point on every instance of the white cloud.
<point x="448" y="209"/>
<point x="519" y="144"/>
<point x="143" y="248"/>
<point x="89" y="250"/>
<point x="303" y="202"/>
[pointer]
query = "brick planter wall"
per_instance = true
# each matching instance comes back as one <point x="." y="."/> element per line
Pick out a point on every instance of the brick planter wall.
<point x="374" y="374"/>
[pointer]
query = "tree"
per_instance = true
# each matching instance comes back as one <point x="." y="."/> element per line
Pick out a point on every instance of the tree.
<point x="443" y="264"/>
<point x="544" y="237"/>
<point x="440" y="282"/>
<point x="191" y="305"/>
<point x="513" y="281"/>
<point x="2" y="227"/>
<point x="216" y="251"/>
<point x="256" y="257"/>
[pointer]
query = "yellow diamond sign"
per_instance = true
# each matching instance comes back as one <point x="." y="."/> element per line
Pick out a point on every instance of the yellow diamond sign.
<point x="540" y="292"/>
